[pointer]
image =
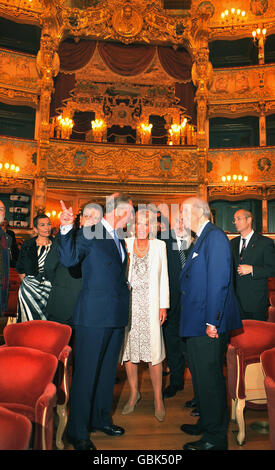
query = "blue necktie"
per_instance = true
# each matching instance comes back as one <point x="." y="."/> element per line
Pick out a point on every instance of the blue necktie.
<point x="117" y="243"/>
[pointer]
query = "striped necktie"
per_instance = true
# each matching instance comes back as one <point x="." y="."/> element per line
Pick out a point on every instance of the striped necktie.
<point x="243" y="248"/>
<point x="182" y="252"/>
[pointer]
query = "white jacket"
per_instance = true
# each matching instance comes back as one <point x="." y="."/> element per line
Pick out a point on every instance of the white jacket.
<point x="158" y="292"/>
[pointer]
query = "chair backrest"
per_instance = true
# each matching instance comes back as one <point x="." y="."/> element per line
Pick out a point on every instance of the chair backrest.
<point x="15" y="430"/>
<point x="25" y="373"/>
<point x="268" y="363"/>
<point x="47" y="336"/>
<point x="271" y="314"/>
<point x="272" y="298"/>
<point x="257" y="336"/>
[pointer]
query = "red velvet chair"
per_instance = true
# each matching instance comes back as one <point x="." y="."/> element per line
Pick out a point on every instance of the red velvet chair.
<point x="244" y="370"/>
<point x="53" y="338"/>
<point x="26" y="388"/>
<point x="15" y="430"/>
<point x="268" y="364"/>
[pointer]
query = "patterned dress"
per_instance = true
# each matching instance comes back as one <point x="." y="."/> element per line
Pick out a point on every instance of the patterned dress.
<point x="34" y="291"/>
<point x="138" y="345"/>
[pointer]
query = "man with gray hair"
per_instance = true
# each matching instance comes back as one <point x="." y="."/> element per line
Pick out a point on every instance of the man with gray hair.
<point x="253" y="263"/>
<point x="209" y="311"/>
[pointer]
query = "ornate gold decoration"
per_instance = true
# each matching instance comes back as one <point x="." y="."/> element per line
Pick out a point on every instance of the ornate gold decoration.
<point x="126" y="21"/>
<point x="136" y="163"/>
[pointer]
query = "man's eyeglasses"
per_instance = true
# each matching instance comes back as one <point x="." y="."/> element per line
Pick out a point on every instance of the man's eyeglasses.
<point x="239" y="218"/>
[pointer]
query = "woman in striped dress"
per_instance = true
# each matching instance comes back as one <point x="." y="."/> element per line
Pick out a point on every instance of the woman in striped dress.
<point x="34" y="288"/>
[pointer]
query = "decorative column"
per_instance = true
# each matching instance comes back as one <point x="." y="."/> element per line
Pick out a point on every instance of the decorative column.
<point x="202" y="73"/>
<point x="264" y="210"/>
<point x="262" y="125"/>
<point x="261" y="50"/>
<point x="47" y="63"/>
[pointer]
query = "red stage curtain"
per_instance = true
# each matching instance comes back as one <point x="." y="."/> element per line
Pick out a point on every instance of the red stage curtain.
<point x="186" y="94"/>
<point x="64" y="84"/>
<point x="74" y="56"/>
<point x="177" y="63"/>
<point x="126" y="60"/>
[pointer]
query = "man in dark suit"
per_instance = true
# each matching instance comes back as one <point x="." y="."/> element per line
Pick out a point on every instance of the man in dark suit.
<point x="11" y="242"/>
<point x="209" y="311"/>
<point x="253" y="263"/>
<point x="4" y="264"/>
<point x="100" y="316"/>
<point x="178" y="245"/>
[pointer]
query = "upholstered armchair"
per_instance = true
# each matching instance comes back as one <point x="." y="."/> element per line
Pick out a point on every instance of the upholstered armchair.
<point x="53" y="338"/>
<point x="245" y="374"/>
<point x="26" y="388"/>
<point x="15" y="430"/>
<point x="268" y="364"/>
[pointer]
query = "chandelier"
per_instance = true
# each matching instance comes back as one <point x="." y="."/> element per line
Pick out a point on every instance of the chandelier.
<point x="235" y="184"/>
<point x="8" y="173"/>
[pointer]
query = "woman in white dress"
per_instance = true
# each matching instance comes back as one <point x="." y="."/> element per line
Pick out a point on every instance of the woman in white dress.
<point x="148" y="277"/>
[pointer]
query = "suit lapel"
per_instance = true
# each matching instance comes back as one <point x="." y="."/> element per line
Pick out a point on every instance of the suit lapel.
<point x="251" y="246"/>
<point x="111" y="245"/>
<point x="236" y="249"/>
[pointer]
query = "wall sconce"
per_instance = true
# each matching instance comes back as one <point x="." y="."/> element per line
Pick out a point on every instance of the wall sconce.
<point x="66" y="125"/>
<point x="259" y="34"/>
<point x="54" y="216"/>
<point x="8" y="173"/>
<point x="182" y="134"/>
<point x="145" y="130"/>
<point x="233" y="17"/>
<point x="98" y="127"/>
<point x="235" y="183"/>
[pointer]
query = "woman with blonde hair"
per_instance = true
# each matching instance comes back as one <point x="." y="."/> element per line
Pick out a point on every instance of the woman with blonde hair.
<point x="148" y="277"/>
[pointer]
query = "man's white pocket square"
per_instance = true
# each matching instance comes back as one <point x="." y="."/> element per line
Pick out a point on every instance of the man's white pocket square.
<point x="194" y="255"/>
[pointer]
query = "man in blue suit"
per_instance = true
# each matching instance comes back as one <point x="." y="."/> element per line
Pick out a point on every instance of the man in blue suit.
<point x="209" y="311"/>
<point x="100" y="316"/>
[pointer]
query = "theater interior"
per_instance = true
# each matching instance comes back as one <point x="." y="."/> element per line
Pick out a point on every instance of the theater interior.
<point x="161" y="100"/>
